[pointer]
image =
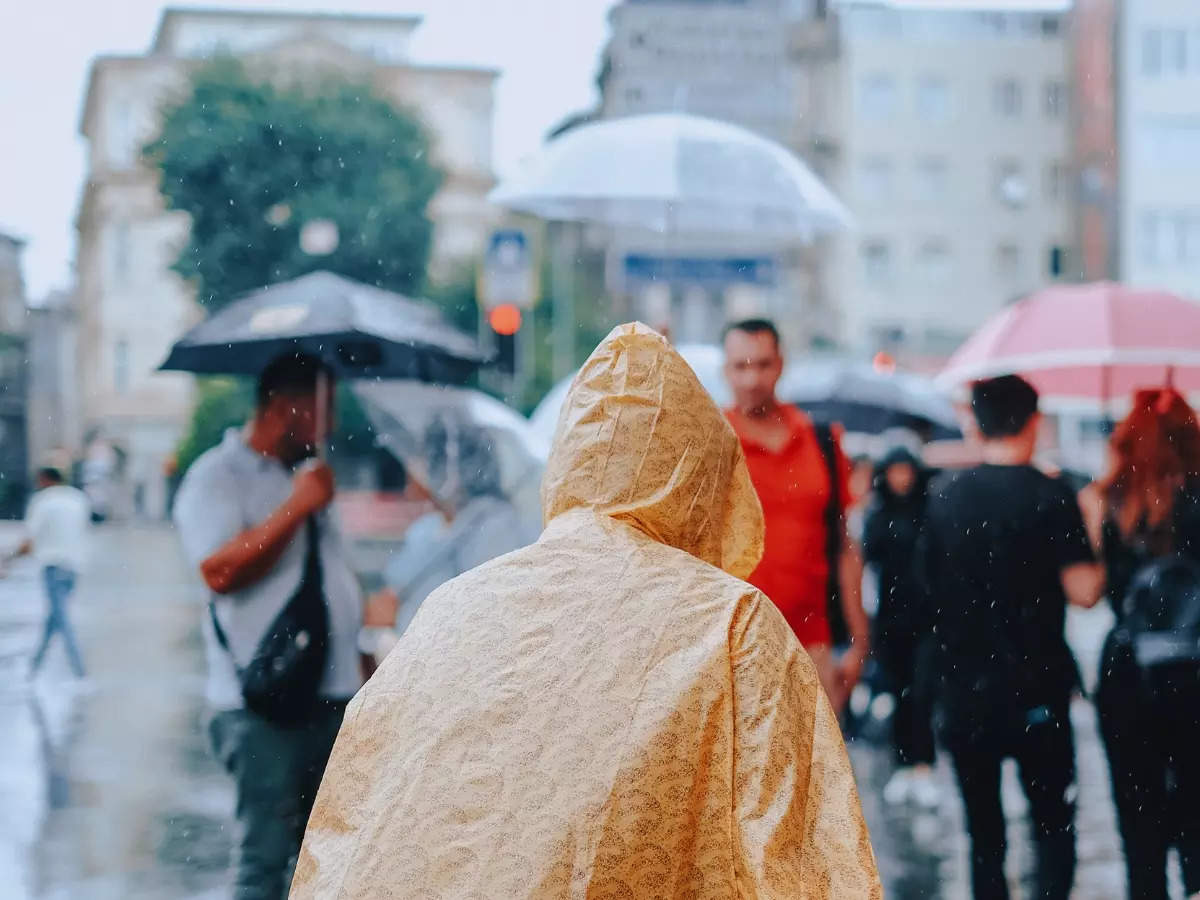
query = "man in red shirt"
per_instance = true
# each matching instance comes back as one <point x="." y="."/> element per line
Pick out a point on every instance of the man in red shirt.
<point x="790" y="472"/>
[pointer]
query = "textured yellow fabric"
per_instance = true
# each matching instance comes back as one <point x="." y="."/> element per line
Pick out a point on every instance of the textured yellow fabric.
<point x="609" y="713"/>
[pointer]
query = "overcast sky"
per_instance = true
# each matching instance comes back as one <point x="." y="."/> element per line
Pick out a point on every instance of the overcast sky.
<point x="547" y="50"/>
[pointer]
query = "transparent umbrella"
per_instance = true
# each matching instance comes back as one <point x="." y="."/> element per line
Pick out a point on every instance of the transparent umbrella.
<point x="478" y="459"/>
<point x="675" y="173"/>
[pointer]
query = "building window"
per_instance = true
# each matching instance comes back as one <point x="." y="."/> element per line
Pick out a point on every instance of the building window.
<point x="1051" y="26"/>
<point x="121" y="366"/>
<point x="1057" y="261"/>
<point x="877" y="263"/>
<point x="1055" y="182"/>
<point x="1008" y="98"/>
<point x="1055" y="99"/>
<point x="933" y="177"/>
<point x="1008" y="262"/>
<point x="1152" y="53"/>
<point x="633" y="96"/>
<point x="878" y="183"/>
<point x="120" y="251"/>
<point x="1150" y="238"/>
<point x="934" y="263"/>
<point x="878" y="99"/>
<point x="1181" y="237"/>
<point x="1175" y="51"/>
<point x="1169" y="238"/>
<point x="1012" y="188"/>
<point x="933" y="99"/>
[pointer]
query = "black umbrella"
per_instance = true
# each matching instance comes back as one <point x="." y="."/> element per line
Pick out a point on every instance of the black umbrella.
<point x="360" y="331"/>
<point x="868" y="401"/>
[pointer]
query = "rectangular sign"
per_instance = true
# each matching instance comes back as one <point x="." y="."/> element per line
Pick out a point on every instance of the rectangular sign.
<point x="508" y="275"/>
<point x="759" y="270"/>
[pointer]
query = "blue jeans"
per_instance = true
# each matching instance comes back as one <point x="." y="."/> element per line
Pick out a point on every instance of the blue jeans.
<point x="60" y="584"/>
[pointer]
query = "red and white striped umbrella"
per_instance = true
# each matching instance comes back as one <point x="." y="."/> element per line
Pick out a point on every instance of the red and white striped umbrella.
<point x="1091" y="342"/>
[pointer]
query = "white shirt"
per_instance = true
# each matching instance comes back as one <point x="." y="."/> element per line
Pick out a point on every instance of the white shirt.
<point x="58" y="521"/>
<point x="232" y="488"/>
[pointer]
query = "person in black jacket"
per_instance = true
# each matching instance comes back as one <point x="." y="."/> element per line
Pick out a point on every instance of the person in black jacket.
<point x="893" y="525"/>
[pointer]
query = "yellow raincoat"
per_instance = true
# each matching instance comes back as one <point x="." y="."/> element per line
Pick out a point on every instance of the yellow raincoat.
<point x="610" y="713"/>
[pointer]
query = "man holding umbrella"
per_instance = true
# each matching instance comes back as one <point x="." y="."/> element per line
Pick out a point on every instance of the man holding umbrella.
<point x="284" y="615"/>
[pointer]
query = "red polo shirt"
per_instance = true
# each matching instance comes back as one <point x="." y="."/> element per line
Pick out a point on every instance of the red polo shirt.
<point x="793" y="485"/>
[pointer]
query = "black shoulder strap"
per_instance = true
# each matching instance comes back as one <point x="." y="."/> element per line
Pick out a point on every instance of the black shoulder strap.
<point x="834" y="530"/>
<point x="312" y="569"/>
<point x="834" y="509"/>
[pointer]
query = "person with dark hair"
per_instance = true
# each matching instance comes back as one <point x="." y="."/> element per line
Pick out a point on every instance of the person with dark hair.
<point x="285" y="611"/>
<point x="1144" y="519"/>
<point x="893" y="526"/>
<point x="1004" y="551"/>
<point x="803" y="482"/>
<point x="57" y="523"/>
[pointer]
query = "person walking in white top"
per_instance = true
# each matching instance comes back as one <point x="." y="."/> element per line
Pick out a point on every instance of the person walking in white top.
<point x="57" y="523"/>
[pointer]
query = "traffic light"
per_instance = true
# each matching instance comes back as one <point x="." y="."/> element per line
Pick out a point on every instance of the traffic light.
<point x="505" y="321"/>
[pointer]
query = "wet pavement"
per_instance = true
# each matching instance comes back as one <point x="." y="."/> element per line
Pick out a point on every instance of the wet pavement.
<point x="107" y="789"/>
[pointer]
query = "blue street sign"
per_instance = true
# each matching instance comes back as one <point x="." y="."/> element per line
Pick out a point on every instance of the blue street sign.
<point x="508" y="274"/>
<point x="759" y="270"/>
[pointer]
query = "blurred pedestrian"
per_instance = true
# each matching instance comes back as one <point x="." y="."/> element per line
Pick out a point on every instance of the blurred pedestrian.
<point x="284" y="612"/>
<point x="802" y="478"/>
<point x="894" y="523"/>
<point x="1144" y="517"/>
<point x="610" y="712"/>
<point x="1005" y="550"/>
<point x="57" y="524"/>
<point x="476" y="523"/>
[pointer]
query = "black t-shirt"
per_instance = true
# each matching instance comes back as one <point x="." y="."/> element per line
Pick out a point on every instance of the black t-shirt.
<point x="997" y="539"/>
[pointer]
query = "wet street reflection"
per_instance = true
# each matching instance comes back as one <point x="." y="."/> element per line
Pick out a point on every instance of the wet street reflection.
<point x="106" y="786"/>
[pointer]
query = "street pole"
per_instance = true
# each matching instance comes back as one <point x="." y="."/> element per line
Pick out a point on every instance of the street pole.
<point x="562" y="282"/>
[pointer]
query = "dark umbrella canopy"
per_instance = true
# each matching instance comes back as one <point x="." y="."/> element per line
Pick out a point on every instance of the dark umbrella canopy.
<point x="359" y="330"/>
<point x="865" y="400"/>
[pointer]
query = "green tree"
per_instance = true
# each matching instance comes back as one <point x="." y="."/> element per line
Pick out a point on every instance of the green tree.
<point x="252" y="161"/>
<point x="222" y="403"/>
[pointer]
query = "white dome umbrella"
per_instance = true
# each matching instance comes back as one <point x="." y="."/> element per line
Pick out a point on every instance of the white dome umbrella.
<point x="677" y="174"/>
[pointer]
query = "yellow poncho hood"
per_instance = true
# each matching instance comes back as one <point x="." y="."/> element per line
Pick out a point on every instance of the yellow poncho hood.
<point x="609" y="713"/>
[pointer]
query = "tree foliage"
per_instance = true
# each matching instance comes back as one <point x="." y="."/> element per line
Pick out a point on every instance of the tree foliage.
<point x="252" y="161"/>
<point x="223" y="403"/>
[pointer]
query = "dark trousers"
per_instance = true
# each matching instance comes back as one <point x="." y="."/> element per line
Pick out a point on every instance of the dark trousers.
<point x="1044" y="749"/>
<point x="1150" y="723"/>
<point x="60" y="584"/>
<point x="276" y="772"/>
<point x="903" y="657"/>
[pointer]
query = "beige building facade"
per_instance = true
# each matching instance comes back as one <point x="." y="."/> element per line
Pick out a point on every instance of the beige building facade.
<point x="953" y="152"/>
<point x="130" y="305"/>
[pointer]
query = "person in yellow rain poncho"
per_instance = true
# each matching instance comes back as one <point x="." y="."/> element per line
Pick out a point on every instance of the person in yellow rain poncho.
<point x="611" y="712"/>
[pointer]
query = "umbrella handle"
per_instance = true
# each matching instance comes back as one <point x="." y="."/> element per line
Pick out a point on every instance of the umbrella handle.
<point x="322" y="414"/>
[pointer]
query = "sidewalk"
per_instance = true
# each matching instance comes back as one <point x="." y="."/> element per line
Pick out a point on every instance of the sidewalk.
<point x="107" y="791"/>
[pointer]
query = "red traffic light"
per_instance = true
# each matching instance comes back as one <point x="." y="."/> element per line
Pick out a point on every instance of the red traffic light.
<point x="505" y="319"/>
